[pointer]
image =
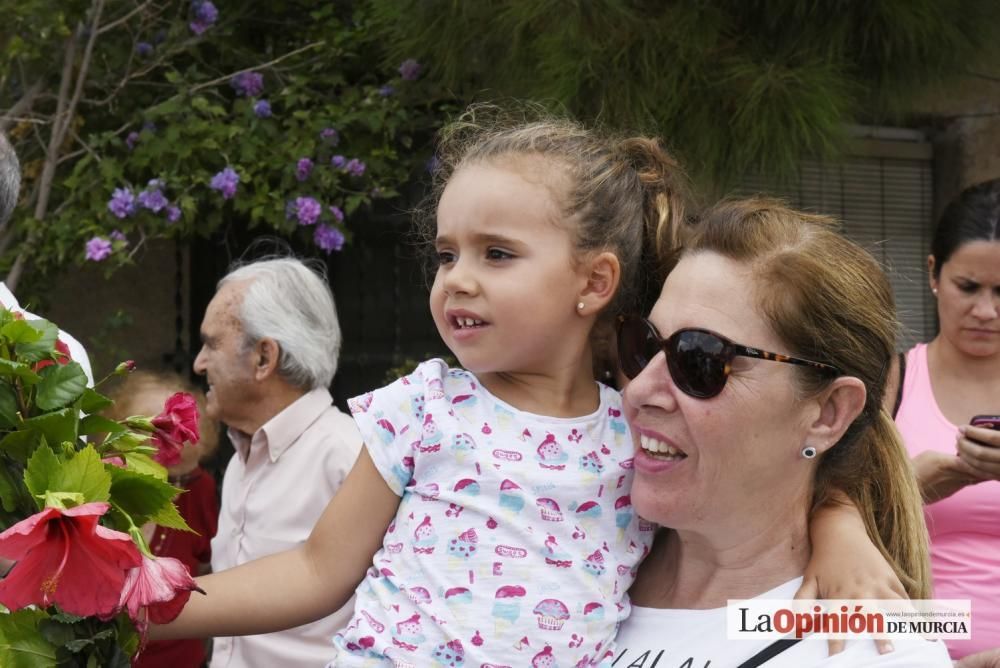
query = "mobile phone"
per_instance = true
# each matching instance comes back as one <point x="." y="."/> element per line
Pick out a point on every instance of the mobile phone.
<point x="986" y="422"/>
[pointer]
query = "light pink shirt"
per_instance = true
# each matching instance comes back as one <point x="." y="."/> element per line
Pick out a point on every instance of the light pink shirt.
<point x="964" y="527"/>
<point x="275" y="488"/>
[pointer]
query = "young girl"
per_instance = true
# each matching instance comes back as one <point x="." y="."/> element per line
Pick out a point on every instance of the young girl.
<point x="144" y="393"/>
<point x="495" y="499"/>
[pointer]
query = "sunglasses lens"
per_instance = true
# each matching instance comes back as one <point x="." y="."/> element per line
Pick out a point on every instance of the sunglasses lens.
<point x="697" y="362"/>
<point x="637" y="345"/>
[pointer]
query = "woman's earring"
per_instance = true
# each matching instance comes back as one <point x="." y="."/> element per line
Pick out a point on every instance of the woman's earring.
<point x="934" y="290"/>
<point x="579" y="306"/>
<point x="809" y="452"/>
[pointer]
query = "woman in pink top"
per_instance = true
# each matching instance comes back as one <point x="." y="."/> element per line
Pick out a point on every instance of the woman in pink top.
<point x="944" y="384"/>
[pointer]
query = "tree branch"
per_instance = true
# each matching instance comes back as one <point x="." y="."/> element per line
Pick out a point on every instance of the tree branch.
<point x="223" y="79"/>
<point x="124" y="19"/>
<point x="21" y="106"/>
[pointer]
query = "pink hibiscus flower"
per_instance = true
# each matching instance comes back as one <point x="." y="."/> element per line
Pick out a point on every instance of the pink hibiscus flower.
<point x="175" y="426"/>
<point x="160" y="585"/>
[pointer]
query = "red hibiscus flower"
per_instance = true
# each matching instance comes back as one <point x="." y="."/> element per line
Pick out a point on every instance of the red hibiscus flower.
<point x="160" y="585"/>
<point x="64" y="557"/>
<point x="175" y="426"/>
<point x="62" y="355"/>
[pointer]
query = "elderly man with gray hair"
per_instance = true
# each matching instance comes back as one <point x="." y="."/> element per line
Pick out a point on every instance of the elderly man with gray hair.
<point x="270" y="340"/>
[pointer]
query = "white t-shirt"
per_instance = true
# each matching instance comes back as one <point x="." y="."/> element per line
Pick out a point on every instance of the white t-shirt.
<point x="77" y="352"/>
<point x="662" y="638"/>
<point x="515" y="541"/>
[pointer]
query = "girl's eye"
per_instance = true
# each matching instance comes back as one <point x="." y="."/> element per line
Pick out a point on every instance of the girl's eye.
<point x="498" y="254"/>
<point x="445" y="257"/>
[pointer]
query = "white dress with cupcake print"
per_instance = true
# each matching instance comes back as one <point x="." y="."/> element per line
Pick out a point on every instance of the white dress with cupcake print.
<point x="514" y="543"/>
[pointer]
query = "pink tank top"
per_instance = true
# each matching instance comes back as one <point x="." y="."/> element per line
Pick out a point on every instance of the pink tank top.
<point x="965" y="527"/>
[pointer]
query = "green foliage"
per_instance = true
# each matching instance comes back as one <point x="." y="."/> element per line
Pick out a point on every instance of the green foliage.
<point x="45" y="409"/>
<point x="159" y="102"/>
<point x="733" y="85"/>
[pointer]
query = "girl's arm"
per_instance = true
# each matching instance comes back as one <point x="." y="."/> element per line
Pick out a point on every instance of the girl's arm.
<point x="845" y="564"/>
<point x="300" y="585"/>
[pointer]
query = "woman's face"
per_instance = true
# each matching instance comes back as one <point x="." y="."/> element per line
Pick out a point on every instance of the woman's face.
<point x="968" y="298"/>
<point x="736" y="452"/>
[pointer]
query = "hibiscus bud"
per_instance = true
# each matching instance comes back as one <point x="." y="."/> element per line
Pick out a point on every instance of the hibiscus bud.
<point x="140" y="422"/>
<point x="126" y="367"/>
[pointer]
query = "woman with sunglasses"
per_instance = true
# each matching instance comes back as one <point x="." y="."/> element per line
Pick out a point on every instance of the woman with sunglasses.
<point x="945" y="383"/>
<point x="755" y="395"/>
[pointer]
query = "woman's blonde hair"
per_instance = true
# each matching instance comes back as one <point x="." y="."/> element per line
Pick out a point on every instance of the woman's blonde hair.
<point x="830" y="301"/>
<point x="127" y="392"/>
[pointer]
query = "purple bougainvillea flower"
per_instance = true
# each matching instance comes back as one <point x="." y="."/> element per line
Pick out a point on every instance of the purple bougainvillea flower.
<point x="118" y="235"/>
<point x="225" y="182"/>
<point x="262" y="109"/>
<point x="303" y="168"/>
<point x="307" y="210"/>
<point x="173" y="213"/>
<point x="330" y="135"/>
<point x="144" y="49"/>
<point x="329" y="238"/>
<point x="354" y="167"/>
<point x="153" y="200"/>
<point x="205" y="16"/>
<point x="409" y="69"/>
<point x="248" y="84"/>
<point x="122" y="203"/>
<point x="338" y="161"/>
<point x="131" y="140"/>
<point x="337" y="213"/>
<point x="387" y="91"/>
<point x="432" y="164"/>
<point x="98" y="249"/>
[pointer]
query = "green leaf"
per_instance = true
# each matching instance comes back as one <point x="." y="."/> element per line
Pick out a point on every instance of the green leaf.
<point x="141" y="463"/>
<point x="42" y="467"/>
<point x="125" y="441"/>
<point x="32" y="351"/>
<point x="83" y="474"/>
<point x="92" y="401"/>
<point x="20" y="444"/>
<point x="96" y="424"/>
<point x="56" y="427"/>
<point x="21" y="646"/>
<point x="19" y="331"/>
<point x="8" y="406"/>
<point x="60" y="386"/>
<point x="18" y="370"/>
<point x="8" y="489"/>
<point x="144" y="498"/>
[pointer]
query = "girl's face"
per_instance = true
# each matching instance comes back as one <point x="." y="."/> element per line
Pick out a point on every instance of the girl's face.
<point x="505" y="293"/>
<point x="706" y="463"/>
<point x="968" y="298"/>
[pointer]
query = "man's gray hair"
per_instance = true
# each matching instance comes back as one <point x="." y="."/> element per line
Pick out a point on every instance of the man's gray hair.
<point x="10" y="179"/>
<point x="291" y="302"/>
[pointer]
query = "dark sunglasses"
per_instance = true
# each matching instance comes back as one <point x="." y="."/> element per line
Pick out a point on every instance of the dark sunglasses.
<point x="699" y="361"/>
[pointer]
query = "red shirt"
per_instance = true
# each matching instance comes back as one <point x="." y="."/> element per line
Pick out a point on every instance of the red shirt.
<point x="199" y="506"/>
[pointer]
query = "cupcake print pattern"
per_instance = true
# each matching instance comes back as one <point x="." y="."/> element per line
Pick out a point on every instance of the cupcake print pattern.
<point x="505" y="516"/>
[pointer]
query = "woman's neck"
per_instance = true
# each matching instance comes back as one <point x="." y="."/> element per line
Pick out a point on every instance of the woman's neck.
<point x="688" y="570"/>
<point x="946" y="360"/>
